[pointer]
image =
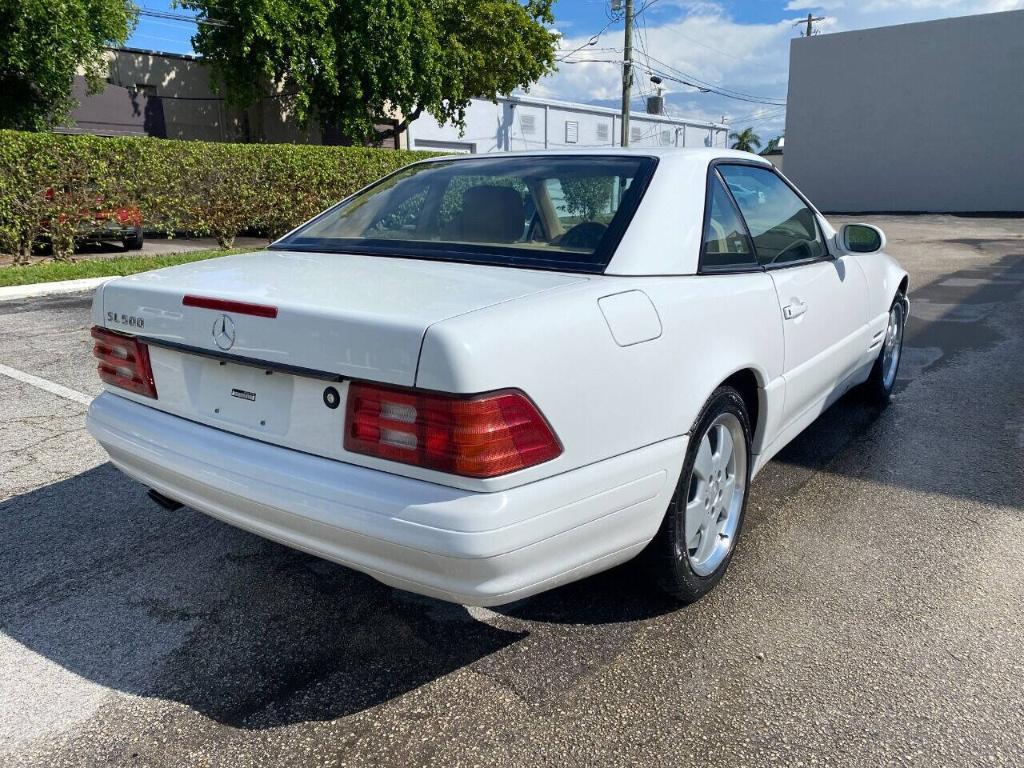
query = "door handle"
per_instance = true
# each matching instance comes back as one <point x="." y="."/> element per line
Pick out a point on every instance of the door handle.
<point x="793" y="310"/>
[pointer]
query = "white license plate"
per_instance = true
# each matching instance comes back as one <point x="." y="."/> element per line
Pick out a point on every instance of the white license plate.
<point x="246" y="396"/>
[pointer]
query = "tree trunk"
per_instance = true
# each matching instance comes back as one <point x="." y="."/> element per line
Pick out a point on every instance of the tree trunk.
<point x="393" y="131"/>
<point x="24" y="252"/>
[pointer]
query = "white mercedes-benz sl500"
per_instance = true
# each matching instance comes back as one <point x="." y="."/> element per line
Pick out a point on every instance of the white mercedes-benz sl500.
<point x="483" y="377"/>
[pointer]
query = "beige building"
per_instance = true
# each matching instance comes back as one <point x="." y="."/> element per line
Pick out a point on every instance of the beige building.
<point x="170" y="95"/>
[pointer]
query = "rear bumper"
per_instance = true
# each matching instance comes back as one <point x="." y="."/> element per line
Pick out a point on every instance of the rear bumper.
<point x="466" y="547"/>
<point x="110" y="231"/>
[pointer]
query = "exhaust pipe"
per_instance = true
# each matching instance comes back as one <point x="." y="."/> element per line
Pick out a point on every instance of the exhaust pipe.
<point x="169" y="504"/>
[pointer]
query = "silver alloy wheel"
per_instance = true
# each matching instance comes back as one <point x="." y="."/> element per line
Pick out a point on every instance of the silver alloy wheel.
<point x="715" y="494"/>
<point x="893" y="345"/>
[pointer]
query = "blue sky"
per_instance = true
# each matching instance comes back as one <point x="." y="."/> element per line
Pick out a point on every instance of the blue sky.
<point x="741" y="46"/>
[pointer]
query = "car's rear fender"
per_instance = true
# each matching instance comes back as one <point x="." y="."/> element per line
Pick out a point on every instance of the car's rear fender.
<point x="604" y="397"/>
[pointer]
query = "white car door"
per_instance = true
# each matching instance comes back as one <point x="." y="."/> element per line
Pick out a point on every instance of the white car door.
<point x="822" y="299"/>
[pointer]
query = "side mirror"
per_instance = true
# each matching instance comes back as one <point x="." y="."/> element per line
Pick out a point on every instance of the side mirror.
<point x="861" y="238"/>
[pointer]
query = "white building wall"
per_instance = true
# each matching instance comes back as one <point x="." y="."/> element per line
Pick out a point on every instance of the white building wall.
<point x="524" y="123"/>
<point x="915" y="117"/>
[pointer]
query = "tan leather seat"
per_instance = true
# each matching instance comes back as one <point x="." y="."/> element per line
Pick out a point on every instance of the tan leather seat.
<point x="491" y="214"/>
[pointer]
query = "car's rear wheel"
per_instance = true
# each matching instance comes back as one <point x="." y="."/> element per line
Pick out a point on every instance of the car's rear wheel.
<point x="135" y="241"/>
<point x="698" y="536"/>
<point x="882" y="380"/>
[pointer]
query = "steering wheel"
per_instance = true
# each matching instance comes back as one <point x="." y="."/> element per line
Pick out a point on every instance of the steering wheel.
<point x="787" y="249"/>
<point x="586" y="234"/>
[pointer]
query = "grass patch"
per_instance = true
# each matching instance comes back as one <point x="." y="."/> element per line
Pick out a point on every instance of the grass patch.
<point x="124" y="265"/>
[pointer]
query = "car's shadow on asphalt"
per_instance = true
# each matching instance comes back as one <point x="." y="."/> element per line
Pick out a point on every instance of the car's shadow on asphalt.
<point x="181" y="607"/>
<point x="178" y="606"/>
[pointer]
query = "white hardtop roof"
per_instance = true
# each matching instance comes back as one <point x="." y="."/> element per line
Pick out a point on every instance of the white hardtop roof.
<point x="704" y="153"/>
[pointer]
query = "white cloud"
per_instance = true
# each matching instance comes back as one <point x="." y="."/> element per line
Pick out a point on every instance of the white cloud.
<point x="923" y="10"/>
<point x="885" y="5"/>
<point x="701" y="43"/>
<point x="809" y="5"/>
<point x="702" y="40"/>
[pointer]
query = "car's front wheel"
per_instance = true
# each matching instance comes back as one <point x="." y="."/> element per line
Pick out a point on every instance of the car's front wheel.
<point x="698" y="536"/>
<point x="882" y="379"/>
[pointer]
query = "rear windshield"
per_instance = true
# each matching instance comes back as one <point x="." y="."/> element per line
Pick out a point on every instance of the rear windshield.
<point x="564" y="213"/>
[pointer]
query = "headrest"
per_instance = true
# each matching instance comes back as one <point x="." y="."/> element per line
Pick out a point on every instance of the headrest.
<point x="492" y="214"/>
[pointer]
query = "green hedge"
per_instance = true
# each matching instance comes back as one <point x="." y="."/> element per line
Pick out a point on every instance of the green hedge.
<point x="197" y="187"/>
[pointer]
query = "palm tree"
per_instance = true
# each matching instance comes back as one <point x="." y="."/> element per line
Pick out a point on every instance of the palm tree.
<point x="746" y="140"/>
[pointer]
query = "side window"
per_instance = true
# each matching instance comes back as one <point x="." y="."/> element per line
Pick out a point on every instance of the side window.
<point x="782" y="226"/>
<point x="726" y="245"/>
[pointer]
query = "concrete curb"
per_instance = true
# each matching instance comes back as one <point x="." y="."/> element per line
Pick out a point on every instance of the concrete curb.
<point x="11" y="292"/>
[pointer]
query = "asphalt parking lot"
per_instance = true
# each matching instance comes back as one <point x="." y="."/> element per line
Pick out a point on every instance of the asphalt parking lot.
<point x="873" y="616"/>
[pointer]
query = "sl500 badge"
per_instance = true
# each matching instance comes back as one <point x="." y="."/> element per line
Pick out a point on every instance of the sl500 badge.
<point x="122" y="319"/>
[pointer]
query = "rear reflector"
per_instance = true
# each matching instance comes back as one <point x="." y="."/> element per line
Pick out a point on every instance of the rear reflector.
<point x="124" y="362"/>
<point x="479" y="436"/>
<point x="223" y="305"/>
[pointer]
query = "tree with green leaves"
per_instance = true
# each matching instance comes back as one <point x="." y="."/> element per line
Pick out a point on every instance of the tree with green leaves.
<point x="588" y="197"/>
<point x="746" y="140"/>
<point x="773" y="144"/>
<point x="359" y="64"/>
<point x="43" y="44"/>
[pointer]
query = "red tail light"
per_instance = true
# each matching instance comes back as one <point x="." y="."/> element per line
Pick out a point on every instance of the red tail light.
<point x="480" y="436"/>
<point x="128" y="216"/>
<point x="124" y="362"/>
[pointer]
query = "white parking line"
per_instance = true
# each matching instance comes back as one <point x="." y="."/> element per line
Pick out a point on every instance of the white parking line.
<point x="46" y="386"/>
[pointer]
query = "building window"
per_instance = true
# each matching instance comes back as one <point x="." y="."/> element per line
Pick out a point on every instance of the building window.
<point x="666" y="138"/>
<point x="635" y="133"/>
<point x="602" y="132"/>
<point x="572" y="132"/>
<point x="529" y="124"/>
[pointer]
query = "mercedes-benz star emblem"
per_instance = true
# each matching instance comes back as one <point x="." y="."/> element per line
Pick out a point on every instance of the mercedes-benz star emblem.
<point x="224" y="332"/>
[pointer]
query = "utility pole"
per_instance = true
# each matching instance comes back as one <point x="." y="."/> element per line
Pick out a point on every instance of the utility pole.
<point x="627" y="72"/>
<point x="811" y="18"/>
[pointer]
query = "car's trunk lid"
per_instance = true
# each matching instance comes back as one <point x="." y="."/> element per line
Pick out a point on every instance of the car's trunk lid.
<point x="354" y="316"/>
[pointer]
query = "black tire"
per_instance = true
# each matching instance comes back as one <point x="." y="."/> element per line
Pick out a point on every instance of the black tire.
<point x="877" y="390"/>
<point x="667" y="559"/>
<point x="135" y="242"/>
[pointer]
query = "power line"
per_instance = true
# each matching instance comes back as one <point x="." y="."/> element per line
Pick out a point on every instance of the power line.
<point x="762" y="119"/>
<point x="695" y="41"/>
<point x="607" y="49"/>
<point x="646" y="5"/>
<point x="179" y="17"/>
<point x="758" y="115"/>
<point x="717" y="88"/>
<point x="150" y="36"/>
<point x="692" y="82"/>
<point x="707" y="89"/>
<point x="642" y="44"/>
<point x="640" y="36"/>
<point x="592" y="41"/>
<point x="645" y="50"/>
<point x="677" y="33"/>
